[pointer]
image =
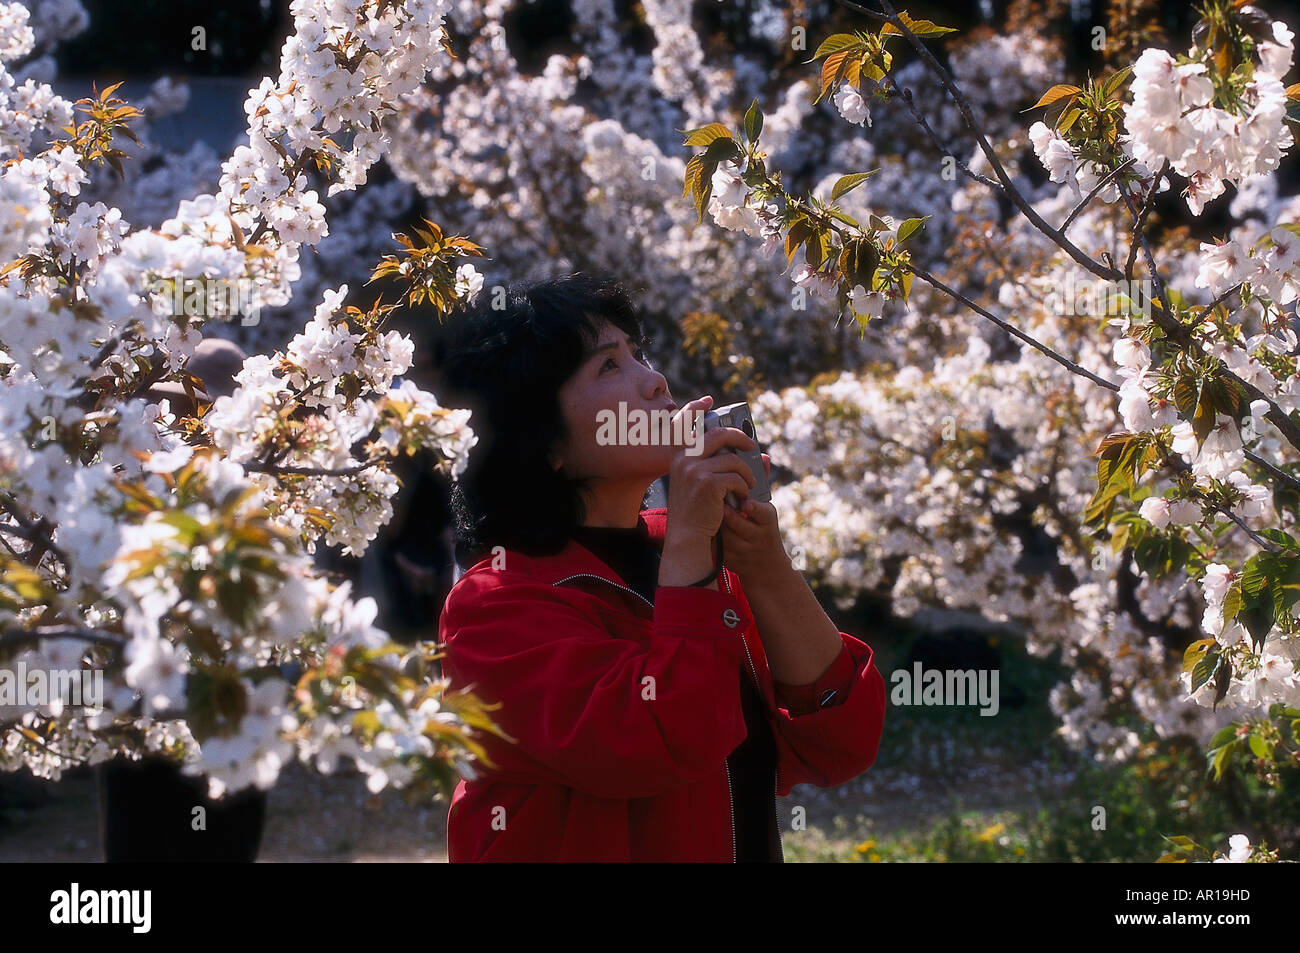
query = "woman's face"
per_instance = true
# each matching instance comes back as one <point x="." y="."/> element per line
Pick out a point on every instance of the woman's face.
<point x="614" y="371"/>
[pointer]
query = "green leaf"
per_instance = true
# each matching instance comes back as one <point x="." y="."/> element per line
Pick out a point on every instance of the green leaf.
<point x="1159" y="554"/>
<point x="1205" y="416"/>
<point x="753" y="121"/>
<point x="1116" y="80"/>
<point x="843" y="217"/>
<point x="1232" y="603"/>
<point x="859" y="262"/>
<point x="1258" y="618"/>
<point x="1222" y="681"/>
<point x="1286" y="583"/>
<point x="1068" y="119"/>
<point x="1196" y="653"/>
<point x="1259" y="747"/>
<point x="919" y="27"/>
<point x="694" y="180"/>
<point x="1122" y="458"/>
<point x="836" y="42"/>
<point x="798" y="233"/>
<point x="1204" y="669"/>
<point x="1059" y="91"/>
<point x="27" y="583"/>
<point x="706" y="135"/>
<point x="1220" y="759"/>
<point x="908" y="227"/>
<point x="1254" y="575"/>
<point x="187" y="524"/>
<point x="846" y="64"/>
<point x="1229" y="396"/>
<point x="847" y="183"/>
<point x="818" y="245"/>
<point x="1120" y="535"/>
<point x="721" y="150"/>
<point x="1224" y="735"/>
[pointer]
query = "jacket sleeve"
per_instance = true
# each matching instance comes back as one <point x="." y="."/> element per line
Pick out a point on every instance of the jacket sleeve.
<point x="830" y="689"/>
<point x="613" y="717"/>
<point x="827" y="732"/>
<point x="827" y="739"/>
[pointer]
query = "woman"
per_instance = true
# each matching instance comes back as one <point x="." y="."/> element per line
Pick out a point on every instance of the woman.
<point x="657" y="702"/>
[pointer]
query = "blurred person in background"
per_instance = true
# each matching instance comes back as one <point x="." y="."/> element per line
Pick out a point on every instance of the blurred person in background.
<point x="146" y="807"/>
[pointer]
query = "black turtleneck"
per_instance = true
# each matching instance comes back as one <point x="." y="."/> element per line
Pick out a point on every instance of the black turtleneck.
<point x="633" y="555"/>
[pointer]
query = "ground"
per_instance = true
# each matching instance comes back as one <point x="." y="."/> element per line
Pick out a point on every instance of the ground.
<point x="317" y="818"/>
<point x="933" y="765"/>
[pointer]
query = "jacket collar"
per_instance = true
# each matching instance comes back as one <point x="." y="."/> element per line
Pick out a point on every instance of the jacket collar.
<point x="577" y="560"/>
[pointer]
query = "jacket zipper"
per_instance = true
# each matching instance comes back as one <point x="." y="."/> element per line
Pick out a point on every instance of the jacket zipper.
<point x="725" y="761"/>
<point x="731" y="805"/>
<point x="590" y="575"/>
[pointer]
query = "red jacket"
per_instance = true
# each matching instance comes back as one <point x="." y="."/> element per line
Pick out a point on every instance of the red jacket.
<point x="623" y="714"/>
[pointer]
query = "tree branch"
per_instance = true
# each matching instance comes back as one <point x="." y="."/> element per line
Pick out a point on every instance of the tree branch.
<point x="1180" y="466"/>
<point x="37" y="530"/>
<point x="1010" y="328"/>
<point x="31" y="636"/>
<point x="279" y="470"/>
<point x="963" y="106"/>
<point x="1272" y="470"/>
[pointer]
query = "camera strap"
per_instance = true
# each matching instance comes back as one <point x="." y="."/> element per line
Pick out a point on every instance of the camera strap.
<point x="716" y="569"/>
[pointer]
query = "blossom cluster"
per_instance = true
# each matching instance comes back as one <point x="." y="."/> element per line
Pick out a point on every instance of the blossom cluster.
<point x="167" y="551"/>
<point x="1174" y="118"/>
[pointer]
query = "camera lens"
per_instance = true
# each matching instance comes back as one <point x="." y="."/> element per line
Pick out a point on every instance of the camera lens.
<point x="748" y="428"/>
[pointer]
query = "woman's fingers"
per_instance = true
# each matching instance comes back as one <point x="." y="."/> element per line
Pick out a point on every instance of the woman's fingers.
<point x="719" y="437"/>
<point x="738" y="519"/>
<point x="688" y="413"/>
<point x="729" y="463"/>
<point x="735" y="483"/>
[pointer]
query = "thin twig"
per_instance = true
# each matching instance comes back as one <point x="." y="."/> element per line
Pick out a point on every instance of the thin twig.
<point x="1222" y="298"/>
<point x="1010" y="328"/>
<point x="1146" y="246"/>
<point x="1141" y="222"/>
<point x="30" y="735"/>
<point x="906" y="95"/>
<point x="1274" y="471"/>
<point x="1264" y="544"/>
<point x="1180" y="466"/>
<point x="1093" y="194"/>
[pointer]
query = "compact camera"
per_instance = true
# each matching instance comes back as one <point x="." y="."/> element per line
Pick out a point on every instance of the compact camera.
<point x="738" y="415"/>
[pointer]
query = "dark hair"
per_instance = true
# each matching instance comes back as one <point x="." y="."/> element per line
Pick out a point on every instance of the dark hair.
<point x="506" y="364"/>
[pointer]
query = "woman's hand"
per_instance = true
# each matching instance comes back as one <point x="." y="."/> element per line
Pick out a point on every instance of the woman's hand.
<point x="698" y="483"/>
<point x="751" y="538"/>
